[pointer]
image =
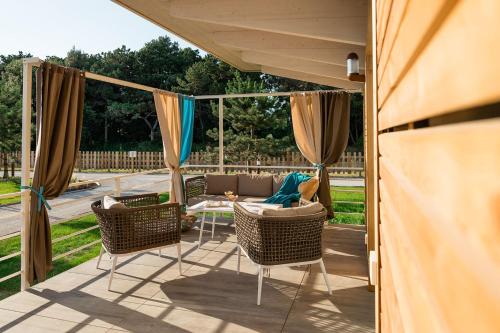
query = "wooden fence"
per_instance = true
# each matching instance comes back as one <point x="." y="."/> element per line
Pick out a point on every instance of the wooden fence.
<point x="350" y="163"/>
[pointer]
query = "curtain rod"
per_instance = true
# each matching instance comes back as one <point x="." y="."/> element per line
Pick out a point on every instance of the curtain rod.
<point x="36" y="62"/>
<point x="284" y="93"/>
<point x="98" y="77"/>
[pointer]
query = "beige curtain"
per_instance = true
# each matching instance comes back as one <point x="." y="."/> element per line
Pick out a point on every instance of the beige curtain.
<point x="321" y="128"/>
<point x="60" y="95"/>
<point x="169" y="118"/>
<point x="335" y="115"/>
<point x="306" y="122"/>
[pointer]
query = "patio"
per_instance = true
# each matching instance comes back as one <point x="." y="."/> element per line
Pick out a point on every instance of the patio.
<point x="148" y="295"/>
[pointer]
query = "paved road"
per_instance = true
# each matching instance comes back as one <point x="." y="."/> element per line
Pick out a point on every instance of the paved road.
<point x="78" y="202"/>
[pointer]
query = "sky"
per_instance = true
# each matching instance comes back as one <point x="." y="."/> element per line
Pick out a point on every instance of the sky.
<point x="52" y="27"/>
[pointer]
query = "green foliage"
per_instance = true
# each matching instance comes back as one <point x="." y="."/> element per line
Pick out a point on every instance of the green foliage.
<point x="256" y="127"/>
<point x="10" y="109"/>
<point x="125" y="119"/>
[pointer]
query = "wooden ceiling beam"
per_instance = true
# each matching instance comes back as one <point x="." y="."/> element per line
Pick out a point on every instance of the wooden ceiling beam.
<point x="286" y="45"/>
<point x="332" y="20"/>
<point x="298" y="65"/>
<point x="318" y="79"/>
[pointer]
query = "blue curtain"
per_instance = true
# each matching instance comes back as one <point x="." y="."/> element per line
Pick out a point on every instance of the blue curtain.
<point x="187" y="122"/>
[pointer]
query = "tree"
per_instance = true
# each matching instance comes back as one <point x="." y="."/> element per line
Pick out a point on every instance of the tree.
<point x="257" y="127"/>
<point x="10" y="109"/>
<point x="206" y="77"/>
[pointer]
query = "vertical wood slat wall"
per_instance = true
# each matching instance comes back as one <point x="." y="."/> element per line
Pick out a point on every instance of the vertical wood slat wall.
<point x="437" y="234"/>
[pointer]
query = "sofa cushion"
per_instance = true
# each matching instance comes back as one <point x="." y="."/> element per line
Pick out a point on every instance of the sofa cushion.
<point x="218" y="184"/>
<point x="277" y="181"/>
<point x="245" y="198"/>
<point x="308" y="188"/>
<point x="255" y="185"/>
<point x="310" y="209"/>
<point x="110" y="202"/>
<point x="256" y="207"/>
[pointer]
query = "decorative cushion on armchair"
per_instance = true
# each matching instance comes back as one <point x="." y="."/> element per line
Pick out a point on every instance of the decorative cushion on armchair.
<point x="308" y="188"/>
<point x="110" y="202"/>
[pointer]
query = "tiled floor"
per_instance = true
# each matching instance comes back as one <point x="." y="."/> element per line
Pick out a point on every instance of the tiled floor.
<point x="149" y="295"/>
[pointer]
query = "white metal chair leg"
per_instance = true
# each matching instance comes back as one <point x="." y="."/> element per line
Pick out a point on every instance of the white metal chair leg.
<point x="259" y="288"/>
<point x="213" y="225"/>
<point x="159" y="252"/>
<point x="239" y="259"/>
<point x="179" y="257"/>
<point x="325" y="276"/>
<point x="201" y="229"/>
<point x="112" y="272"/>
<point x="100" y="256"/>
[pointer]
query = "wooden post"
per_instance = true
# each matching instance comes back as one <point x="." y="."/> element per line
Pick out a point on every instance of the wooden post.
<point x="117" y="187"/>
<point x="25" y="166"/>
<point x="221" y="135"/>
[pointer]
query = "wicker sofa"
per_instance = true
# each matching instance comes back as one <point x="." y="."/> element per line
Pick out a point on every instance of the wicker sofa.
<point x="248" y="187"/>
<point x="291" y="237"/>
<point x="143" y="224"/>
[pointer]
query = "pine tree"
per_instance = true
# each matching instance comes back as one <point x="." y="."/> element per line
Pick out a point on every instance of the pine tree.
<point x="255" y="128"/>
<point x="10" y="110"/>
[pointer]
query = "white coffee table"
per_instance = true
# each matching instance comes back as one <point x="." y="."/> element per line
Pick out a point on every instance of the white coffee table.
<point x="226" y="207"/>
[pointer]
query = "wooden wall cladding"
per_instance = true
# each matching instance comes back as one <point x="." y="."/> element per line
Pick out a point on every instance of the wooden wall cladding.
<point x="439" y="186"/>
<point x="440" y="224"/>
<point x="443" y="57"/>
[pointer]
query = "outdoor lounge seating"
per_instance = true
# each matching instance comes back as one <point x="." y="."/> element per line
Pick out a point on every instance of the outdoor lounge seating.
<point x="143" y="225"/>
<point x="290" y="237"/>
<point x="248" y="187"/>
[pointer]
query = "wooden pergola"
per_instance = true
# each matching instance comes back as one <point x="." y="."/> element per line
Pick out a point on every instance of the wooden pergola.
<point x="28" y="65"/>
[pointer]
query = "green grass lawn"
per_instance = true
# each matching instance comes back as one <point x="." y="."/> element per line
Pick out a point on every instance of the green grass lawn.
<point x="12" y="244"/>
<point x="9" y="186"/>
<point x="339" y="194"/>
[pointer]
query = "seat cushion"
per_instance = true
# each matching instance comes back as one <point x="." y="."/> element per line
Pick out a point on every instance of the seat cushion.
<point x="310" y="209"/>
<point x="110" y="202"/>
<point x="255" y="185"/>
<point x="308" y="188"/>
<point x="218" y="184"/>
<point x="245" y="198"/>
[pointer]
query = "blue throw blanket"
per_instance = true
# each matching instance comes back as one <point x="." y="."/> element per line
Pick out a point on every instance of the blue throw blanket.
<point x="289" y="190"/>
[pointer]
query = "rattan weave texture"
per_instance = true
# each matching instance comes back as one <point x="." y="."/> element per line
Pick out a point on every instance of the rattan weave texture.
<point x="145" y="224"/>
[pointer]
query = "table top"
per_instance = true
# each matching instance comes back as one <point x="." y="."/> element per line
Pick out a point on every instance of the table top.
<point x="227" y="206"/>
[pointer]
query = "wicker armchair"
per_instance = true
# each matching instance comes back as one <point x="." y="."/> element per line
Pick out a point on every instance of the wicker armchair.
<point x="194" y="187"/>
<point x="279" y="241"/>
<point x="143" y="226"/>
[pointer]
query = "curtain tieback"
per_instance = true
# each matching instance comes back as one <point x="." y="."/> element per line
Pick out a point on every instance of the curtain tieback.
<point x="39" y="193"/>
<point x="319" y="166"/>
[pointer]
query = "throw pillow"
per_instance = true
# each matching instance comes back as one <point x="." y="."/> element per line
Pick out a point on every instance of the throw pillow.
<point x="110" y="202"/>
<point x="308" y="188"/>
